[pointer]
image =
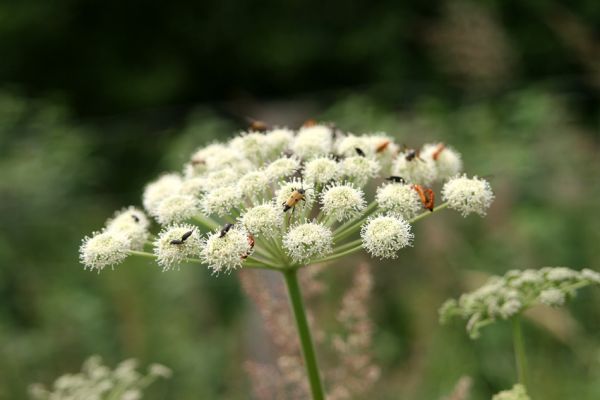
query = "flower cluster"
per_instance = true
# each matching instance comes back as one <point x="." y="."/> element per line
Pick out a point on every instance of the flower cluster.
<point x="507" y="296"/>
<point x="284" y="198"/>
<point x="98" y="382"/>
<point x="518" y="392"/>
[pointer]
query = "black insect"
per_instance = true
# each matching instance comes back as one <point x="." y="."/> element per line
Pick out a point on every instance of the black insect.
<point x="135" y="218"/>
<point x="225" y="229"/>
<point x="359" y="152"/>
<point x="397" y="179"/>
<point x="411" y="154"/>
<point x="184" y="237"/>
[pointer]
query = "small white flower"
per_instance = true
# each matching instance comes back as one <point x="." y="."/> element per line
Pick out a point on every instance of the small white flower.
<point x="552" y="297"/>
<point x="220" y="178"/>
<point x="399" y="199"/>
<point x="518" y="392"/>
<point x="417" y="170"/>
<point x="227" y="252"/>
<point x="311" y="142"/>
<point x="221" y="201"/>
<point x="346" y="146"/>
<point x="177" y="208"/>
<point x="252" y="145"/>
<point x="131" y="394"/>
<point x="468" y="195"/>
<point x="360" y="169"/>
<point x="282" y="168"/>
<point x="590" y="275"/>
<point x="104" y="249"/>
<point x="321" y="171"/>
<point x="131" y="222"/>
<point x="383" y="236"/>
<point x="559" y="274"/>
<point x="170" y="248"/>
<point x="193" y="186"/>
<point x="342" y="201"/>
<point x="287" y="188"/>
<point x="278" y="141"/>
<point x="157" y="191"/>
<point x="510" y="308"/>
<point x="253" y="184"/>
<point x="309" y="240"/>
<point x="448" y="162"/>
<point x="264" y="219"/>
<point x="160" y="370"/>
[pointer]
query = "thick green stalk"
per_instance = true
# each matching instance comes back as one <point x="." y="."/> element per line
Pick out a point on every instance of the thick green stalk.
<point x="308" y="349"/>
<point x="519" y="346"/>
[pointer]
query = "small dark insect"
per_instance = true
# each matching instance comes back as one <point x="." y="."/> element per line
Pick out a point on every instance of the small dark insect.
<point x="135" y="218"/>
<point x="295" y="197"/>
<point x="184" y="237"/>
<point x="411" y="154"/>
<point x="360" y="152"/>
<point x="426" y="195"/>
<point x="225" y="229"/>
<point x="440" y="147"/>
<point x="396" y="179"/>
<point x="257" y="126"/>
<point x="251" y="243"/>
<point x="382" y="146"/>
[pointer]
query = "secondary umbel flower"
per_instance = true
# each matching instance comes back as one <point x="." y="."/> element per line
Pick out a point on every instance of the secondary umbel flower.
<point x="177" y="208"/>
<point x="447" y="161"/>
<point x="221" y="200"/>
<point x="282" y="168"/>
<point x="159" y="190"/>
<point x="104" y="249"/>
<point x="308" y="241"/>
<point x="321" y="171"/>
<point x="416" y="169"/>
<point x="383" y="236"/>
<point x="227" y="251"/>
<point x="399" y="199"/>
<point x="253" y="184"/>
<point x="342" y="201"/>
<point x="131" y="222"/>
<point x="172" y="246"/>
<point x="264" y="219"/>
<point x="468" y="195"/>
<point x="313" y="141"/>
<point x="359" y="170"/>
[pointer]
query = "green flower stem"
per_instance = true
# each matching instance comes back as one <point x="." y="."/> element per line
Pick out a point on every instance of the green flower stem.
<point x="335" y="256"/>
<point x="141" y="254"/>
<point x="206" y="222"/>
<point x="348" y="245"/>
<point x="358" y="220"/>
<point x="428" y="213"/>
<point x="308" y="350"/>
<point x="519" y="346"/>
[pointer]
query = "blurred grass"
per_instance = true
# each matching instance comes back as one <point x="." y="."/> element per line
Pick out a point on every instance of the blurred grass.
<point x="59" y="180"/>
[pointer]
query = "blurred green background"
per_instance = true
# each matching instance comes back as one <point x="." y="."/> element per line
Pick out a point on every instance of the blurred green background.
<point x="97" y="98"/>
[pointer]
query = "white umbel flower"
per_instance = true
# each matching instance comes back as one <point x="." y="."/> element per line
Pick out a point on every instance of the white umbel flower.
<point x="417" y="170"/>
<point x="342" y="201"/>
<point x="447" y="161"/>
<point x="104" y="249"/>
<point x="221" y="201"/>
<point x="383" y="236"/>
<point x="346" y="146"/>
<point x="552" y="297"/>
<point x="159" y="190"/>
<point x="265" y="219"/>
<point x="468" y="195"/>
<point x="518" y="392"/>
<point x="220" y="178"/>
<point x="253" y="184"/>
<point x="278" y="141"/>
<point x="177" y="208"/>
<point x="193" y="186"/>
<point x="287" y="188"/>
<point x="252" y="145"/>
<point x="307" y="241"/>
<point x="131" y="222"/>
<point x="282" y="168"/>
<point x="227" y="251"/>
<point x="313" y="141"/>
<point x="359" y="170"/>
<point x="400" y="199"/>
<point x="321" y="171"/>
<point x="170" y="248"/>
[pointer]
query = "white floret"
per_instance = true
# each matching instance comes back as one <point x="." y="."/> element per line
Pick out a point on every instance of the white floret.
<point x="383" y="236"/>
<point x="104" y="249"/>
<point x="307" y="241"/>
<point x="168" y="254"/>
<point x="311" y="142"/>
<point x="342" y="202"/>
<point x="399" y="199"/>
<point x="468" y="195"/>
<point x="226" y="252"/>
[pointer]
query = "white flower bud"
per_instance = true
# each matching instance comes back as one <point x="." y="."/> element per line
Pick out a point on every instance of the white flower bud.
<point x="104" y="249"/>
<point x="447" y="161"/>
<point x="468" y="195"/>
<point x="253" y="184"/>
<point x="307" y="241"/>
<point x="131" y="222"/>
<point x="157" y="191"/>
<point x="418" y="170"/>
<point x="518" y="392"/>
<point x="278" y="141"/>
<point x="282" y="168"/>
<point x="311" y="142"/>
<point x="221" y="201"/>
<point x="227" y="252"/>
<point x="399" y="199"/>
<point x="342" y="201"/>
<point x="177" y="208"/>
<point x="360" y="169"/>
<point x="552" y="297"/>
<point x="321" y="171"/>
<point x="265" y="219"/>
<point x="170" y="248"/>
<point x="383" y="236"/>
